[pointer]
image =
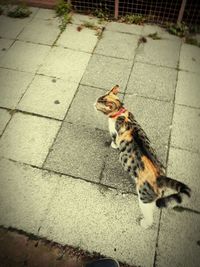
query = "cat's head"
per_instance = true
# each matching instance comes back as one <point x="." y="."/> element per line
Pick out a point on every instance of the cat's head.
<point x="110" y="102"/>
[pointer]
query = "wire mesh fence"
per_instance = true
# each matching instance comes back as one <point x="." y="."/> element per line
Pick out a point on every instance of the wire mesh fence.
<point x="159" y="11"/>
<point x="94" y="6"/>
<point x="155" y="11"/>
<point x="192" y="13"/>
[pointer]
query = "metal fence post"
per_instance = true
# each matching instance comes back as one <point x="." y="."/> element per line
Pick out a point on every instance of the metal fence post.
<point x="181" y="11"/>
<point x="116" y="9"/>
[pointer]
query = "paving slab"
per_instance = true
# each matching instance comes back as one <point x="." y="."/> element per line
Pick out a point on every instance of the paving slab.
<point x="123" y="27"/>
<point x="12" y="89"/>
<point x="111" y="44"/>
<point x="11" y="27"/>
<point x="84" y="40"/>
<point x="4" y="119"/>
<point x="184" y="166"/>
<point x="72" y="67"/>
<point x="161" y="32"/>
<point x="28" y="138"/>
<point x="155" y="118"/>
<point x="190" y="58"/>
<point x="82" y="110"/>
<point x="105" y="72"/>
<point x="187" y="91"/>
<point x="38" y="31"/>
<point x="152" y="81"/>
<point x="178" y="243"/>
<point x="78" y="151"/>
<point x="186" y="128"/>
<point x="99" y="220"/>
<point x="46" y="14"/>
<point x="4" y="46"/>
<point x="25" y="56"/>
<point x="159" y="52"/>
<point x="113" y="174"/>
<point x="25" y="196"/>
<point x="48" y="97"/>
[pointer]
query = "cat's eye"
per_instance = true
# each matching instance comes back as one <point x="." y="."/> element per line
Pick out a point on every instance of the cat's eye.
<point x="101" y="100"/>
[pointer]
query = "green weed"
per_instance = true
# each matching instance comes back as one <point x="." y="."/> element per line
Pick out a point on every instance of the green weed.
<point x="89" y="24"/>
<point x="63" y="10"/>
<point x="180" y="29"/>
<point x="101" y="14"/>
<point x="133" y="19"/>
<point x="192" y="41"/>
<point x="154" y="36"/>
<point x="65" y="19"/>
<point x="21" y="11"/>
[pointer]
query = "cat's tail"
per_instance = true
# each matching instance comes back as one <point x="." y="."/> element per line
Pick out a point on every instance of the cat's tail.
<point x="180" y="188"/>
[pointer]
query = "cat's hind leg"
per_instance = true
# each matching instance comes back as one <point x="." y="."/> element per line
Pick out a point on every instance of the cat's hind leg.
<point x="147" y="210"/>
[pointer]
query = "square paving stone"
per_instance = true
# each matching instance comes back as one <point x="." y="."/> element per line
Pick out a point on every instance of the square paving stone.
<point x="155" y="118"/>
<point x="84" y="40"/>
<point x="72" y="67"/>
<point x="186" y="128"/>
<point x="48" y="96"/>
<point x="13" y="84"/>
<point x="152" y="81"/>
<point x="82" y="110"/>
<point x="28" y="138"/>
<point x="4" y="118"/>
<point x="11" y="27"/>
<point x="123" y="27"/>
<point x="26" y="195"/>
<point x="41" y="31"/>
<point x="184" y="166"/>
<point x="45" y="14"/>
<point x="161" y="32"/>
<point x="105" y="72"/>
<point x="78" y="151"/>
<point x="25" y="56"/>
<point x="187" y="91"/>
<point x="115" y="44"/>
<point x="190" y="58"/>
<point x="114" y="175"/>
<point x="178" y="243"/>
<point x="88" y="216"/>
<point x="4" y="46"/>
<point x="160" y="52"/>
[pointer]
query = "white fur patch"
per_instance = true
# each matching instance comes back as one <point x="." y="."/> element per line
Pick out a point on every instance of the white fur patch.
<point x="111" y="126"/>
<point x="147" y="212"/>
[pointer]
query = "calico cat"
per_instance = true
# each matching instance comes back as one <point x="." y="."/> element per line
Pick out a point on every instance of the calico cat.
<point x="138" y="158"/>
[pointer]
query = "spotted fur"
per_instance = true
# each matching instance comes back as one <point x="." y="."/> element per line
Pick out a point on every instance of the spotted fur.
<point x="138" y="158"/>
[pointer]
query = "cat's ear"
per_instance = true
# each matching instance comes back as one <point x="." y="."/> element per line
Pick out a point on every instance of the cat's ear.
<point x="115" y="90"/>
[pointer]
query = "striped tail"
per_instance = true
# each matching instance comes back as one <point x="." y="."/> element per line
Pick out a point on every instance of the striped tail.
<point x="180" y="188"/>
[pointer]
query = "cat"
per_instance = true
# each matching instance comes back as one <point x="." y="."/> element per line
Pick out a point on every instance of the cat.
<point x="138" y="158"/>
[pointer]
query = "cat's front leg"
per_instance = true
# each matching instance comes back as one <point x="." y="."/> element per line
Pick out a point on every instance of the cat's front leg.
<point x="113" y="143"/>
<point x="113" y="133"/>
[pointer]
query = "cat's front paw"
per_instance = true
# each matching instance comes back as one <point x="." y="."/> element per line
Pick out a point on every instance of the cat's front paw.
<point x="145" y="224"/>
<point x="113" y="145"/>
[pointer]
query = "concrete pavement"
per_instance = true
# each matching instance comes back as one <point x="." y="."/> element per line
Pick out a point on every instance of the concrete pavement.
<point x="58" y="179"/>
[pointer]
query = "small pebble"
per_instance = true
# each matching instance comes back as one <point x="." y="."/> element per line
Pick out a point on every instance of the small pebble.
<point x="53" y="80"/>
<point x="56" y="102"/>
